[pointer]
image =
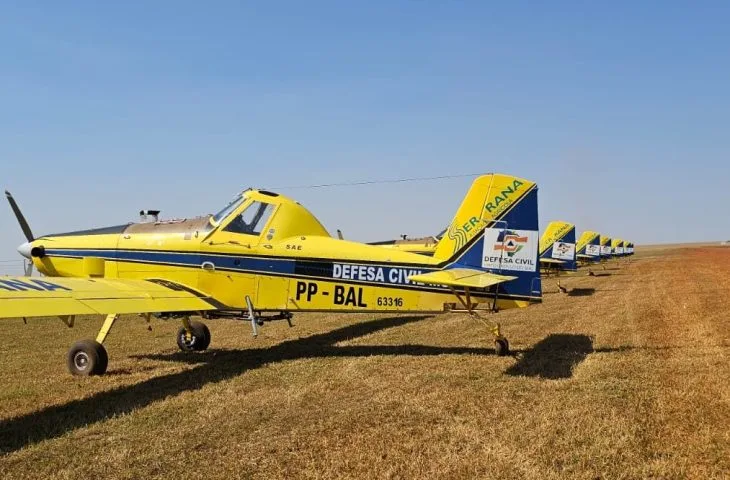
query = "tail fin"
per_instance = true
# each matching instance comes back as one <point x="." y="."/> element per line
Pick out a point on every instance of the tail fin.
<point x="496" y="229"/>
<point x="558" y="243"/>
<point x="589" y="246"/>
<point x="617" y="247"/>
<point x="605" y="246"/>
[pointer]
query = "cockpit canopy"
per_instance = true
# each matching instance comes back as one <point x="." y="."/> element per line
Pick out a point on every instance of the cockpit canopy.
<point x="258" y="212"/>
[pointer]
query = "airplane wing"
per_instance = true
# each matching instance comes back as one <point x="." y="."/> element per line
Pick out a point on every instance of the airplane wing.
<point x="461" y="277"/>
<point x="52" y="296"/>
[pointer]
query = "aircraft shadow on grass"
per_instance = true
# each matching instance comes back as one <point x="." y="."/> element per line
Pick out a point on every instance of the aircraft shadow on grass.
<point x="556" y="356"/>
<point x="610" y="274"/>
<point x="552" y="358"/>
<point x="581" y="292"/>
<point x="576" y="292"/>
<point x="214" y="366"/>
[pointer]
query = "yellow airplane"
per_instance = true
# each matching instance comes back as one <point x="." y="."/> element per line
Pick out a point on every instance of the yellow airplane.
<point x="606" y="253"/>
<point x="557" y="246"/>
<point x="588" y="250"/>
<point x="265" y="256"/>
<point x="617" y="247"/>
<point x="557" y="250"/>
<point x="628" y="248"/>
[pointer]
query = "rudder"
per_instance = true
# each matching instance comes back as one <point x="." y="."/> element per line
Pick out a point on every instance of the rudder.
<point x="496" y="229"/>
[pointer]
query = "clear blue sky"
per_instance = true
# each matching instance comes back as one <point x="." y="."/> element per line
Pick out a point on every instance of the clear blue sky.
<point x="619" y="110"/>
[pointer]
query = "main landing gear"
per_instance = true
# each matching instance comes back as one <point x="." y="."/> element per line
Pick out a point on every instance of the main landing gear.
<point x="501" y="345"/>
<point x="193" y="336"/>
<point x="89" y="357"/>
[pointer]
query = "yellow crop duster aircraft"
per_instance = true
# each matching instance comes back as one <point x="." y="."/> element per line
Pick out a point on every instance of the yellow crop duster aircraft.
<point x="557" y="250"/>
<point x="265" y="256"/>
<point x="605" y="243"/>
<point x="557" y="247"/>
<point x="617" y="247"/>
<point x="588" y="250"/>
<point x="628" y="247"/>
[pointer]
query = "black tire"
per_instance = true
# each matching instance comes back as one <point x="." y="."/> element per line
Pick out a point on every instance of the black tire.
<point x="206" y="339"/>
<point x="501" y="347"/>
<point x="199" y="341"/>
<point x="87" y="357"/>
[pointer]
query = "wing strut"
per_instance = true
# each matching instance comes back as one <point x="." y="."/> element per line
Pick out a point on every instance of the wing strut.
<point x="466" y="303"/>
<point x="106" y="327"/>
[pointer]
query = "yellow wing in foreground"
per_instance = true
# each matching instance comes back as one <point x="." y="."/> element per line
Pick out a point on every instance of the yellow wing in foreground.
<point x="51" y="296"/>
<point x="461" y="277"/>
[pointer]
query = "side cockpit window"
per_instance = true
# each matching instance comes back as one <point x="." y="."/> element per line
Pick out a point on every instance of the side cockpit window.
<point x="252" y="220"/>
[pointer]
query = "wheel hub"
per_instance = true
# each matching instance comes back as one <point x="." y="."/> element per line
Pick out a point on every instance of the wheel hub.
<point x="81" y="360"/>
<point x="188" y="339"/>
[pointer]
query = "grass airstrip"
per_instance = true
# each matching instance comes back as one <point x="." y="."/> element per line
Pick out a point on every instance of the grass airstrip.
<point x="626" y="376"/>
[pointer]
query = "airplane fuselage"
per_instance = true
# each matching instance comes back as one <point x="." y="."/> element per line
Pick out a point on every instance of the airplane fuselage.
<point x="292" y="264"/>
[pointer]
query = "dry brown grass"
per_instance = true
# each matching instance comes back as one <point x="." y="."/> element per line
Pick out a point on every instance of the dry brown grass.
<point x="628" y="378"/>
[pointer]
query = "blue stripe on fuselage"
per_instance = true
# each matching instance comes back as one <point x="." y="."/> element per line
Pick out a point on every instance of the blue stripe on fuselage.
<point x="386" y="275"/>
<point x="189" y="259"/>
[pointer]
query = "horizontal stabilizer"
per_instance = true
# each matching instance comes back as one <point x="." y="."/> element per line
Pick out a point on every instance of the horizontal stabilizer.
<point x="461" y="277"/>
<point x="553" y="261"/>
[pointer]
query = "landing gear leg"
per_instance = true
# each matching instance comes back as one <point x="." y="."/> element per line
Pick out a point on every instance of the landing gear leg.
<point x="193" y="336"/>
<point x="501" y="345"/>
<point x="89" y="357"/>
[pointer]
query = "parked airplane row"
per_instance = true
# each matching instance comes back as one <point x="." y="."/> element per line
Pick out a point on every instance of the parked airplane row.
<point x="264" y="257"/>
<point x="557" y="248"/>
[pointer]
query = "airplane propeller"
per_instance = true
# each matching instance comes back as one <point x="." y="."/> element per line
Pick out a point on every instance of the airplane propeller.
<point x="19" y="215"/>
<point x="24" y="249"/>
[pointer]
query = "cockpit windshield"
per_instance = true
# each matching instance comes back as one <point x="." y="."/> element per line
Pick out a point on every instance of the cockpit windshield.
<point x="235" y="203"/>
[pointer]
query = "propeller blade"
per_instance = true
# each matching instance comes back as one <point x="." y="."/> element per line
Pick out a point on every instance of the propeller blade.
<point x="28" y="266"/>
<point x="19" y="215"/>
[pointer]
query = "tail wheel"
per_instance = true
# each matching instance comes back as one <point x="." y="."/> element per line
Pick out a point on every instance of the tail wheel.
<point x="198" y="340"/>
<point x="87" y="357"/>
<point x="501" y="347"/>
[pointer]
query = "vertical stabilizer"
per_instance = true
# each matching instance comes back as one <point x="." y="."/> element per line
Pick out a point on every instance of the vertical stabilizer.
<point x="496" y="229"/>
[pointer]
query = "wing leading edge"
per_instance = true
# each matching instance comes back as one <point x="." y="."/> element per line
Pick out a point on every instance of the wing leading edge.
<point x="51" y="296"/>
